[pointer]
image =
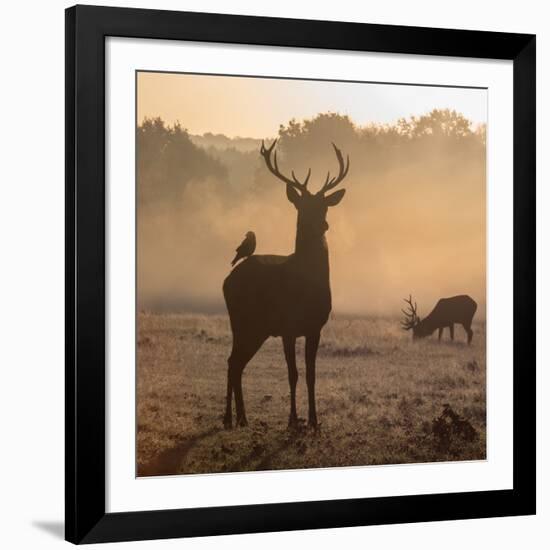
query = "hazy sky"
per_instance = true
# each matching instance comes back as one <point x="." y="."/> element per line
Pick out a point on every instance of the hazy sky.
<point x="409" y="225"/>
<point x="225" y="104"/>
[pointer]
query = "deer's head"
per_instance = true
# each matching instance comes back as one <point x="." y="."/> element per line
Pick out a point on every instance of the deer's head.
<point x="412" y="320"/>
<point x="312" y="207"/>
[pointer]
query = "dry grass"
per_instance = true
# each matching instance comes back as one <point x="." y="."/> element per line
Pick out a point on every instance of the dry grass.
<point x="377" y="395"/>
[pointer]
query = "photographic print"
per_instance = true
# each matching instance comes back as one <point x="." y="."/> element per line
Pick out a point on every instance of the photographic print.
<point x="311" y="273"/>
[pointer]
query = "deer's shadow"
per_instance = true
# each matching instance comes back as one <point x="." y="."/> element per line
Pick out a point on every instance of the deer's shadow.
<point x="168" y="462"/>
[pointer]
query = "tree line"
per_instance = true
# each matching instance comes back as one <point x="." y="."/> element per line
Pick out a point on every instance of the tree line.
<point x="168" y="157"/>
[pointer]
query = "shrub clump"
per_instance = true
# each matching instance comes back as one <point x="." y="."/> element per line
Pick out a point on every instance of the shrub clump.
<point x="450" y="430"/>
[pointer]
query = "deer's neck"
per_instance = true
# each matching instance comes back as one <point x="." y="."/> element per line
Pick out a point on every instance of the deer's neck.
<point x="312" y="254"/>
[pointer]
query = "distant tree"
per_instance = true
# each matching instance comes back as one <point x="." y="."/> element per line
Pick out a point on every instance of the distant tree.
<point x="168" y="160"/>
<point x="310" y="134"/>
<point x="437" y="123"/>
<point x="481" y="133"/>
<point x="240" y="165"/>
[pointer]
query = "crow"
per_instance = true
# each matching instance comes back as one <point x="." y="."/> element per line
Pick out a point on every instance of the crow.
<point x="246" y="248"/>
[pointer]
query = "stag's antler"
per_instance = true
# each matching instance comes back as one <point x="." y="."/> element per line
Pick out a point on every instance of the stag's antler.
<point x="411" y="317"/>
<point x="331" y="183"/>
<point x="274" y="168"/>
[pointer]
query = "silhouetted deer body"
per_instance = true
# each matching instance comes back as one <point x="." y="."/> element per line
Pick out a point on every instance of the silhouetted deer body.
<point x="287" y="296"/>
<point x="447" y="312"/>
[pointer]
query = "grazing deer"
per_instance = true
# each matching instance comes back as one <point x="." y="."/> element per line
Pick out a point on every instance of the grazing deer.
<point x="447" y="312"/>
<point x="287" y="296"/>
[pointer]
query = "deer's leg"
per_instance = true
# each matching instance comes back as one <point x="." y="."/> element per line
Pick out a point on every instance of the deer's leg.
<point x="240" y="356"/>
<point x="227" y="419"/>
<point x="469" y="331"/>
<point x="289" y="344"/>
<point x="452" y="331"/>
<point x="236" y="381"/>
<point x="440" y="333"/>
<point x="312" y="344"/>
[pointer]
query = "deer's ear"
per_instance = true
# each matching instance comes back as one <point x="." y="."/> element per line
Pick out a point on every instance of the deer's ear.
<point x="334" y="198"/>
<point x="292" y="195"/>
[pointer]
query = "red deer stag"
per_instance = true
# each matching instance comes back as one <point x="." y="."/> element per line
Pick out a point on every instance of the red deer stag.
<point x="287" y="296"/>
<point x="447" y="312"/>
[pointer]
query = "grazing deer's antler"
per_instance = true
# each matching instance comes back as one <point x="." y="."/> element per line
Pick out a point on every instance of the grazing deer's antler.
<point x="274" y="168"/>
<point x="331" y="183"/>
<point x="411" y="317"/>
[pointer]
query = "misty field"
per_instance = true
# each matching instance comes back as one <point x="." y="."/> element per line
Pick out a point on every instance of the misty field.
<point x="380" y="398"/>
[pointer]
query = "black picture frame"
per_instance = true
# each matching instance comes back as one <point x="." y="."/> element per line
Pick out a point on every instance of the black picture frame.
<point x="85" y="516"/>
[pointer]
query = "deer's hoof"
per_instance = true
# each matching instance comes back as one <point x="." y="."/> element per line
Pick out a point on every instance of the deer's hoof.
<point x="242" y="422"/>
<point x="227" y="423"/>
<point x="295" y="423"/>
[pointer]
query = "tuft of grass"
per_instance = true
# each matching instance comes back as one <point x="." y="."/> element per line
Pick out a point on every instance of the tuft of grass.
<point x="347" y="351"/>
<point x="472" y="366"/>
<point x="451" y="431"/>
